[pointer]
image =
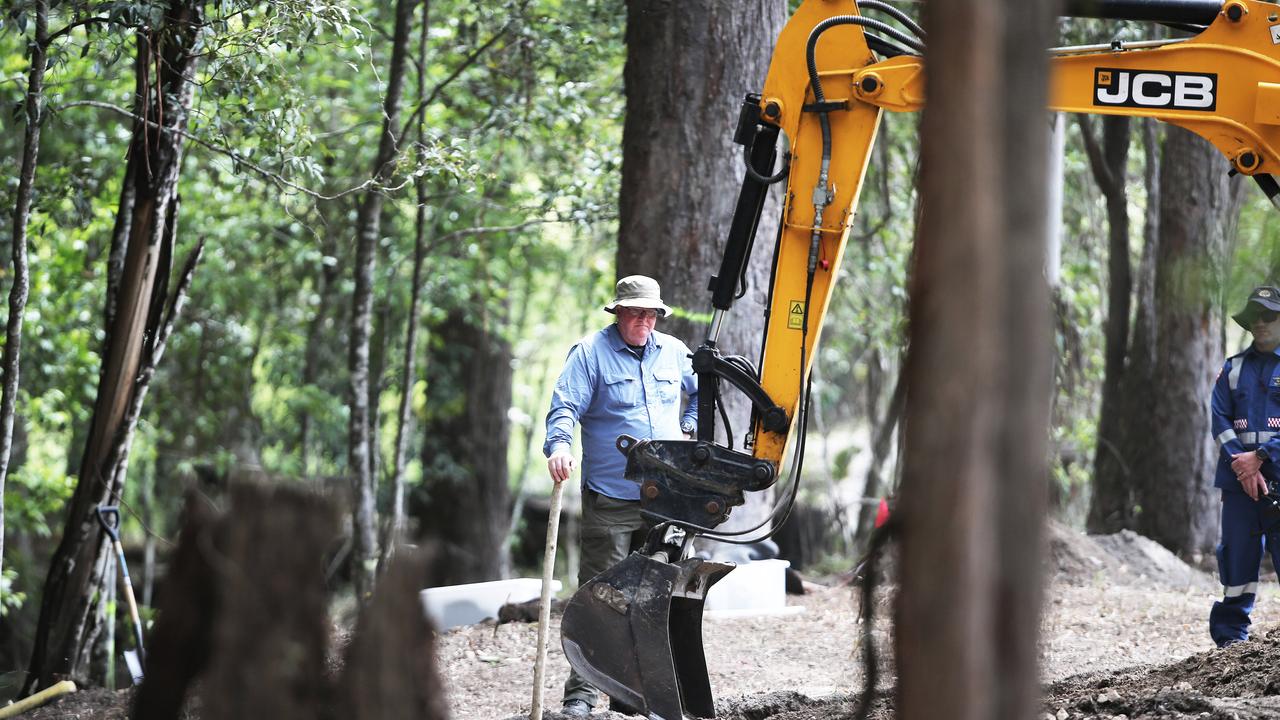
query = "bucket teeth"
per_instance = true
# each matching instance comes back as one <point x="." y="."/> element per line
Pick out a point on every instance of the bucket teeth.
<point x="635" y="632"/>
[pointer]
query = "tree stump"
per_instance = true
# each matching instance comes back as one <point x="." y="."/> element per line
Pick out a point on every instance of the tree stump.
<point x="390" y="669"/>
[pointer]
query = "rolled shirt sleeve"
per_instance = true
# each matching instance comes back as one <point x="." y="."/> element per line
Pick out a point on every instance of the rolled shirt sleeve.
<point x="569" y="400"/>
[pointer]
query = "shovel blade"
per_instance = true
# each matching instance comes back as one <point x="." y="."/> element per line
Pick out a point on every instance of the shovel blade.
<point x="635" y="632"/>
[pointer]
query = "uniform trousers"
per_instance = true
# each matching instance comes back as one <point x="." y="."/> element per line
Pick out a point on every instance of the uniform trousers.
<point x="1248" y="529"/>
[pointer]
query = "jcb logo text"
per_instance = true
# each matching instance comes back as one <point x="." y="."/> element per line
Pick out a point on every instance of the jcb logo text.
<point x="1149" y="89"/>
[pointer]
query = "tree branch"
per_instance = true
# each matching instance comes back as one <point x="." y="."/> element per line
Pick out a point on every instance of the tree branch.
<point x="1097" y="163"/>
<point x="73" y="25"/>
<point x="435" y="92"/>
<point x="273" y="177"/>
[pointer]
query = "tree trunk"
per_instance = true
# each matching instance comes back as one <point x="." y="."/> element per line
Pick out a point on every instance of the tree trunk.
<point x="688" y="66"/>
<point x="1112" y="505"/>
<point x="464" y="456"/>
<point x="33" y="104"/>
<point x="968" y="608"/>
<point x="368" y="228"/>
<point x="163" y="98"/>
<point x="408" y="371"/>
<point x="1199" y="205"/>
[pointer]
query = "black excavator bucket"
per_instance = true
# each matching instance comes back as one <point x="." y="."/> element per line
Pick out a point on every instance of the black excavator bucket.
<point x="635" y="632"/>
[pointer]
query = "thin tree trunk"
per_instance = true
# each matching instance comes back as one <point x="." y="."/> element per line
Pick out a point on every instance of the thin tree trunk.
<point x="977" y="371"/>
<point x="1026" y="363"/>
<point x="377" y="383"/>
<point x="368" y="228"/>
<point x="34" y="107"/>
<point x="1112" y="505"/>
<point x="395" y="528"/>
<point x="880" y="445"/>
<point x="156" y="153"/>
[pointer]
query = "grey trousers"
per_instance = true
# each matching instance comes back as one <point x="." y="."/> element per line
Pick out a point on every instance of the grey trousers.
<point x="610" y="530"/>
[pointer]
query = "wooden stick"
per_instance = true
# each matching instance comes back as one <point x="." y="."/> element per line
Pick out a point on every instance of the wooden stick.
<point x="544" y="612"/>
<point x="40" y="698"/>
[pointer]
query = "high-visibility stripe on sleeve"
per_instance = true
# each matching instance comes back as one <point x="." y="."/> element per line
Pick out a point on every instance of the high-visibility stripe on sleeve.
<point x="1233" y="377"/>
<point x="1248" y="438"/>
<point x="1231" y="591"/>
<point x="1226" y="436"/>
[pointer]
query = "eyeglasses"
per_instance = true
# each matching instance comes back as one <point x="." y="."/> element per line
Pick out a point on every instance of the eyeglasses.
<point x="1265" y="316"/>
<point x="638" y="313"/>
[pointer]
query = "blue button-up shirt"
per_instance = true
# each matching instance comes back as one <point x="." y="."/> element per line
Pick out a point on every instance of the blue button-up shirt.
<point x="1246" y="413"/>
<point x="609" y="390"/>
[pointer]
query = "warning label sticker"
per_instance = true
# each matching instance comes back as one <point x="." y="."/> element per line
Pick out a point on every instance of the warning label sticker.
<point x="795" y="315"/>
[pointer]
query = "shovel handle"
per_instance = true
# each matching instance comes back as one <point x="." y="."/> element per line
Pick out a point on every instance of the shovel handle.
<point x="109" y="519"/>
<point x="544" y="609"/>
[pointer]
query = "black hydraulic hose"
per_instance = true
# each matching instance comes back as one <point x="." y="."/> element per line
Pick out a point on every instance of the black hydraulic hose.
<point x="894" y="12"/>
<point x="724" y="418"/>
<point x="742" y="275"/>
<point x="865" y="22"/>
<point x="782" y="509"/>
<point x="884" y="48"/>
<point x="769" y="179"/>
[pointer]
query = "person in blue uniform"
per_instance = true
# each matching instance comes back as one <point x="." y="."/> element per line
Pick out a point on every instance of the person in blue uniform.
<point x="625" y="379"/>
<point x="1246" y="425"/>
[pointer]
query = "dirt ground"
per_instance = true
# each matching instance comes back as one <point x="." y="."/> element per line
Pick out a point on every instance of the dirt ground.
<point x="1124" y="636"/>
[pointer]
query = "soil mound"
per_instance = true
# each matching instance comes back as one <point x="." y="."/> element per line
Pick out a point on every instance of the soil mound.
<point x="1241" y="681"/>
<point x="1124" y="558"/>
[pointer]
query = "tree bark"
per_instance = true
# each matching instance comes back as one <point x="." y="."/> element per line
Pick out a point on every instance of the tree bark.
<point x="33" y="106"/>
<point x="977" y="371"/>
<point x="688" y="67"/>
<point x="408" y="370"/>
<point x="243" y="613"/>
<point x="62" y="641"/>
<point x="389" y="668"/>
<point x="154" y="161"/>
<point x="368" y="228"/>
<point x="1112" y="505"/>
<point x="464" y="454"/>
<point x="1199" y="206"/>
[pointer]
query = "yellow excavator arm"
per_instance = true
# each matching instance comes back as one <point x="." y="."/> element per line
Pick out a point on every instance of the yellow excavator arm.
<point x="635" y="629"/>
<point x="1222" y="84"/>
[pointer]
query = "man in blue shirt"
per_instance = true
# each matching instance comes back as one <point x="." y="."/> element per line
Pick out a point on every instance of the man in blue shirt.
<point x="625" y="379"/>
<point x="1246" y="424"/>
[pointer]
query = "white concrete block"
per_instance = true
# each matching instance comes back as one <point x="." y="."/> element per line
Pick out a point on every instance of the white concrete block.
<point x="453" y="605"/>
<point x="760" y="585"/>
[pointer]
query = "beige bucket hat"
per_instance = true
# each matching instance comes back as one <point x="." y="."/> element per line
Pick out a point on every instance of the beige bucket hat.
<point x="638" y="291"/>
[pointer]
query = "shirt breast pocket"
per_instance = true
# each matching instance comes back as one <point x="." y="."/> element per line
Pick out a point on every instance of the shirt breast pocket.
<point x="1273" y="402"/>
<point x="668" y="384"/>
<point x="620" y="391"/>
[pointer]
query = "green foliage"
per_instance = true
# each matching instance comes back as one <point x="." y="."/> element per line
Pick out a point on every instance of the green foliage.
<point x="519" y="155"/>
